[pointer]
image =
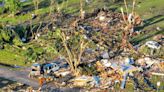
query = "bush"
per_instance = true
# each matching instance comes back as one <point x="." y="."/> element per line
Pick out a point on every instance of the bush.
<point x="5" y="35"/>
<point x="12" y="5"/>
<point x="16" y="41"/>
<point x="1" y="10"/>
<point x="9" y="36"/>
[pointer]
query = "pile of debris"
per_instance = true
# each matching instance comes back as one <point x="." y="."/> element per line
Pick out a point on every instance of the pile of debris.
<point x="111" y="73"/>
<point x="16" y="87"/>
<point x="105" y="74"/>
<point x="102" y="65"/>
<point x="102" y="20"/>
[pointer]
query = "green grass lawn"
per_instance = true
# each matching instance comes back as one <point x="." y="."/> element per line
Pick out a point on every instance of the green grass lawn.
<point x="8" y="57"/>
<point x="12" y="56"/>
<point x="151" y="10"/>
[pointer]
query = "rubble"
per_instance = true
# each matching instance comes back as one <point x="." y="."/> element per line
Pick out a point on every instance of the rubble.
<point x="124" y="81"/>
<point x="33" y="16"/>
<point x="65" y="79"/>
<point x="96" y="80"/>
<point x="106" y="63"/>
<point x="99" y="66"/>
<point x="129" y="61"/>
<point x="149" y="61"/>
<point x="82" y="81"/>
<point x="63" y="74"/>
<point x="159" y="74"/>
<point x="159" y="38"/>
<point x="108" y="73"/>
<point x="105" y="55"/>
<point x="16" y="87"/>
<point x="158" y="28"/>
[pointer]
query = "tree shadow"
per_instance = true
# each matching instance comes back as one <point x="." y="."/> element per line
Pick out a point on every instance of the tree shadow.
<point x="31" y="7"/>
<point x="151" y="21"/>
<point x="148" y="22"/>
<point x="47" y="3"/>
<point x="140" y="39"/>
<point x="42" y="4"/>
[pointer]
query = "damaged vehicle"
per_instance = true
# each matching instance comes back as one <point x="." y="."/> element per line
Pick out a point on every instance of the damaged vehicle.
<point x="47" y="68"/>
<point x="35" y="70"/>
<point x="50" y="68"/>
<point x="153" y="44"/>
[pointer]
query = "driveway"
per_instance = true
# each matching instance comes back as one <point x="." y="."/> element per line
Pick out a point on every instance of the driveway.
<point x="21" y="76"/>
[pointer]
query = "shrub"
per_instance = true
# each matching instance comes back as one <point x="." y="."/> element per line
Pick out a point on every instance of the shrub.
<point x="12" y="5"/>
<point x="5" y="35"/>
<point x="10" y="36"/>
